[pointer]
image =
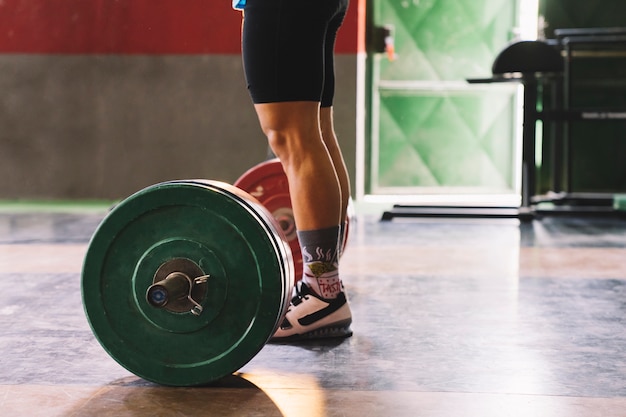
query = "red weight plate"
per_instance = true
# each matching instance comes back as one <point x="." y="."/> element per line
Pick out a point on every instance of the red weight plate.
<point x="267" y="182"/>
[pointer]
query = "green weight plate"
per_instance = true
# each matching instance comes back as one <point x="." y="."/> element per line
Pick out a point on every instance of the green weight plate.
<point x="187" y="229"/>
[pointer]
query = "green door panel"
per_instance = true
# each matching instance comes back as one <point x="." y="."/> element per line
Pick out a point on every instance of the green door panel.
<point x="459" y="140"/>
<point x="431" y="131"/>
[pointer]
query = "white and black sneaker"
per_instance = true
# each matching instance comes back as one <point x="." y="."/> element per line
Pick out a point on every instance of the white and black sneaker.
<point x="312" y="317"/>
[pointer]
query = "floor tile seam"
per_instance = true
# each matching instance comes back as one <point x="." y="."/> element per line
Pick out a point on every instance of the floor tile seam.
<point x="573" y="277"/>
<point x="100" y="388"/>
<point x="473" y="246"/>
<point x="46" y="244"/>
<point x="80" y="243"/>
<point x="46" y="208"/>
<point x="40" y="242"/>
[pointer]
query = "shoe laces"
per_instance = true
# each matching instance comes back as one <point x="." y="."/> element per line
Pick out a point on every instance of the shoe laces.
<point x="302" y="292"/>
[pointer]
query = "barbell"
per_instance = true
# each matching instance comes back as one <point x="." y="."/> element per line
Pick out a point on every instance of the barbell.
<point x="185" y="281"/>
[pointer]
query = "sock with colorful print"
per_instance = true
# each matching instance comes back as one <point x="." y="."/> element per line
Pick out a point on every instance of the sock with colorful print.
<point x="320" y="258"/>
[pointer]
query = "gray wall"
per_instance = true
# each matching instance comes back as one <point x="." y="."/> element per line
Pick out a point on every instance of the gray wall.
<point x="104" y="126"/>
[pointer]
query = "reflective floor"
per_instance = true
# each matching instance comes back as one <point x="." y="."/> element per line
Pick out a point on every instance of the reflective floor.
<point x="451" y="318"/>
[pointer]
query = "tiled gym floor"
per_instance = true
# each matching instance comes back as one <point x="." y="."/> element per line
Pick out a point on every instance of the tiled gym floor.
<point x="451" y="318"/>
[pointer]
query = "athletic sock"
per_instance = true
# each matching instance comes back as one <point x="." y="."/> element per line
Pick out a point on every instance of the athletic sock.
<point x="320" y="258"/>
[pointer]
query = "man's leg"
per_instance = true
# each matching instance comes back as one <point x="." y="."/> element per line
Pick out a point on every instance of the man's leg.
<point x="287" y="51"/>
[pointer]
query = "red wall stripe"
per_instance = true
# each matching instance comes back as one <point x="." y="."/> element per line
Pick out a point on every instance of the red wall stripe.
<point x="131" y="27"/>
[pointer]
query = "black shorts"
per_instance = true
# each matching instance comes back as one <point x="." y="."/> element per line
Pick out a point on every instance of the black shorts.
<point x="288" y="49"/>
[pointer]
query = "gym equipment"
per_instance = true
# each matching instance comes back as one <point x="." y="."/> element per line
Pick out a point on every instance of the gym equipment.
<point x="185" y="281"/>
<point x="541" y="66"/>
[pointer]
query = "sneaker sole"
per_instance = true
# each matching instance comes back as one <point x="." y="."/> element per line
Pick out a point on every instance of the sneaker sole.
<point x="339" y="330"/>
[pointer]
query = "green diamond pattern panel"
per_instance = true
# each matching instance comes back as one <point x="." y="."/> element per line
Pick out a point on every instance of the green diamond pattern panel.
<point x="432" y="132"/>
<point x="446" y="140"/>
<point x="445" y="39"/>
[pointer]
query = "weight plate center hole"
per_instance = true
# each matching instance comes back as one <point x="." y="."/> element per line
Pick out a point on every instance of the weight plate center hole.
<point x="176" y="288"/>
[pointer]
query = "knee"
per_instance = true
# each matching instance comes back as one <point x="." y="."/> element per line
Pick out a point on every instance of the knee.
<point x="278" y="141"/>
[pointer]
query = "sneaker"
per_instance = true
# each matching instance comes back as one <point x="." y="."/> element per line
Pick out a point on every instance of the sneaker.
<point x="312" y="317"/>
